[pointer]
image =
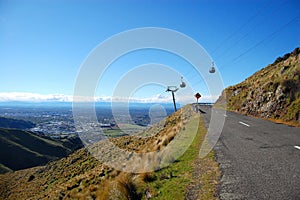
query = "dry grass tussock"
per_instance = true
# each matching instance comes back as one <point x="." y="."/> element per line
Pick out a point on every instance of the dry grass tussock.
<point x="82" y="176"/>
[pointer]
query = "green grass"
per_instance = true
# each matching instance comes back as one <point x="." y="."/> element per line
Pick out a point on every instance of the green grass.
<point x="123" y="130"/>
<point x="165" y="187"/>
<point x="131" y="128"/>
<point x="113" y="132"/>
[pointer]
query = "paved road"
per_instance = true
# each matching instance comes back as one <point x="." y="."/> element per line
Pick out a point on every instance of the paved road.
<point x="259" y="159"/>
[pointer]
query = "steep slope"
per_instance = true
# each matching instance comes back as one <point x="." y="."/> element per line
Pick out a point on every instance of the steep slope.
<point x="15" y="123"/>
<point x="23" y="149"/>
<point x="82" y="176"/>
<point x="273" y="92"/>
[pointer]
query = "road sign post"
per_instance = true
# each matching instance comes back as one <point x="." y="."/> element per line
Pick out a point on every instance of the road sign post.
<point x="198" y="95"/>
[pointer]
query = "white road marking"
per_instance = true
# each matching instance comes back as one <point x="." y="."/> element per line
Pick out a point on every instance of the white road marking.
<point x="225" y="115"/>
<point x="244" y="123"/>
<point x="297" y="147"/>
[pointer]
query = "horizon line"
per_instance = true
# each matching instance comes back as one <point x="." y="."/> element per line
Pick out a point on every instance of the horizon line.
<point x="27" y="97"/>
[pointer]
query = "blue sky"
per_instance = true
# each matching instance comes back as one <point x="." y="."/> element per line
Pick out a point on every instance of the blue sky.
<point x="43" y="43"/>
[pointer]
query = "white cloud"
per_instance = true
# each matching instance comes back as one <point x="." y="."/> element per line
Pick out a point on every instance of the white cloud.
<point x="34" y="97"/>
<point x="159" y="98"/>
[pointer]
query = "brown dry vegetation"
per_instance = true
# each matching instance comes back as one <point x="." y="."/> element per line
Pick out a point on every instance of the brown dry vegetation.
<point x="82" y="176"/>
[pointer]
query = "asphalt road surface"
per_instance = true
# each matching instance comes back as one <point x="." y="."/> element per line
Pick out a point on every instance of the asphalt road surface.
<point x="259" y="159"/>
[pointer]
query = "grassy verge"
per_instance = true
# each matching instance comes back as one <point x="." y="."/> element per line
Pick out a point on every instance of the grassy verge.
<point x="174" y="181"/>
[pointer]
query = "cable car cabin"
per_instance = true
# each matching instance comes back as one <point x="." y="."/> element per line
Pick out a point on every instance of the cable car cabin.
<point x="212" y="70"/>
<point x="182" y="85"/>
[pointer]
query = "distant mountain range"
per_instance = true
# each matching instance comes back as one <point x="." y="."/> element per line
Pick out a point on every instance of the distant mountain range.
<point x="25" y="104"/>
<point x="273" y="92"/>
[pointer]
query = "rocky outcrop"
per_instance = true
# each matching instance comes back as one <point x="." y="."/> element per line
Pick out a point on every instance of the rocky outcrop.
<point x="273" y="92"/>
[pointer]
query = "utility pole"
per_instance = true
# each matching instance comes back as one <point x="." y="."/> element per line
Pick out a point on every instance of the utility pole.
<point x="174" y="101"/>
<point x="173" y="89"/>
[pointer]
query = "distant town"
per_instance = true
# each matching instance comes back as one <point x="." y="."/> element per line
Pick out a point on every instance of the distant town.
<point x="57" y="121"/>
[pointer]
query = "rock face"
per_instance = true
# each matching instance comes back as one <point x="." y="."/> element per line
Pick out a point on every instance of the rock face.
<point x="273" y="92"/>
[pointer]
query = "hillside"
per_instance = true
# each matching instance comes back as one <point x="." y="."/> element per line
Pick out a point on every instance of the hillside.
<point x="23" y="149"/>
<point x="82" y="176"/>
<point x="15" y="123"/>
<point x="273" y="92"/>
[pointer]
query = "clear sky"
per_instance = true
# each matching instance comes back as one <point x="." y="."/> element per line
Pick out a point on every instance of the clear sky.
<point x="44" y="42"/>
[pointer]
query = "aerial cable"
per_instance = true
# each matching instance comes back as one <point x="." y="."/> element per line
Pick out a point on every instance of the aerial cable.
<point x="264" y="39"/>
<point x="248" y="32"/>
<point x="268" y="37"/>
<point x="275" y="10"/>
<point x="212" y="69"/>
<point x="242" y="26"/>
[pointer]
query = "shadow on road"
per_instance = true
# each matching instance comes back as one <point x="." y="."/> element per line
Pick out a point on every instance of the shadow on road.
<point x="196" y="108"/>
